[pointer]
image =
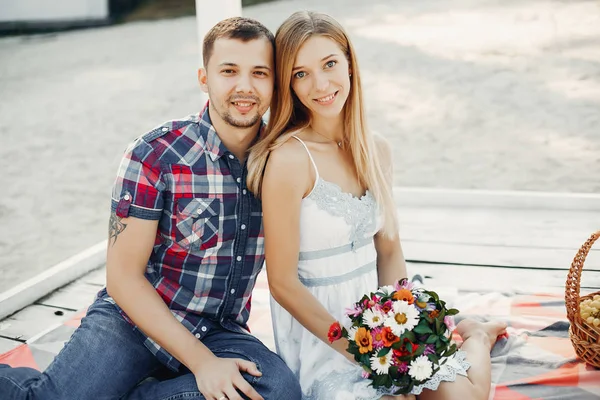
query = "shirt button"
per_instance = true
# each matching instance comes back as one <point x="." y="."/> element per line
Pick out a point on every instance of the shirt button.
<point x="239" y="180"/>
<point x="197" y="335"/>
<point x="232" y="291"/>
<point x="164" y="129"/>
<point x="126" y="197"/>
<point x="244" y="191"/>
<point x="243" y="226"/>
<point x="231" y="156"/>
<point x="203" y="329"/>
<point x="239" y="258"/>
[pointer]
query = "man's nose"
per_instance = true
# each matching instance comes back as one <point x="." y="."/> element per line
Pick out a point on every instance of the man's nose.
<point x="244" y="84"/>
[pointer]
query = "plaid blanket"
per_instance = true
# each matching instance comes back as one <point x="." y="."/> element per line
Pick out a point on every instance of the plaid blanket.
<point x="536" y="361"/>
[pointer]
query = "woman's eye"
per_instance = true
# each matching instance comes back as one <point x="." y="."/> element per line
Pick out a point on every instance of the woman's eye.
<point x="331" y="64"/>
<point x="300" y="74"/>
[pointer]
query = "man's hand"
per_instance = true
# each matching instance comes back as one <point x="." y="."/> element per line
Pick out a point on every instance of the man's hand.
<point x="221" y="378"/>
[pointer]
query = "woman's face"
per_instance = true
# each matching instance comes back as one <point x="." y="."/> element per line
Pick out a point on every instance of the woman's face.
<point x="320" y="77"/>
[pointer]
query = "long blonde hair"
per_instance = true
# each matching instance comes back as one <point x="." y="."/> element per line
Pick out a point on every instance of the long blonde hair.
<point x="289" y="115"/>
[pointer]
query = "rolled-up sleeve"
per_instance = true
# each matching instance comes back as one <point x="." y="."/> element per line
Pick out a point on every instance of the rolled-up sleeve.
<point x="138" y="188"/>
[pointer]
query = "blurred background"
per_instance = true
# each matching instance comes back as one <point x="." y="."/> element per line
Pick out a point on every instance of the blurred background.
<point x="472" y="94"/>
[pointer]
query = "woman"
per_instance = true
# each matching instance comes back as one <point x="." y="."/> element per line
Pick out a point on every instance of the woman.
<point x="329" y="216"/>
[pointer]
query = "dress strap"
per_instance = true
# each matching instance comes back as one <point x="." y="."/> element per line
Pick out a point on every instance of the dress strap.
<point x="309" y="156"/>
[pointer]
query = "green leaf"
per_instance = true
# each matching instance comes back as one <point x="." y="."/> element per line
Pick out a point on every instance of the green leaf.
<point x="397" y="345"/>
<point x="383" y="352"/>
<point x="452" y="311"/>
<point x="409" y="347"/>
<point x="410" y="335"/>
<point x="431" y="339"/>
<point x="422" y="329"/>
<point x="438" y="326"/>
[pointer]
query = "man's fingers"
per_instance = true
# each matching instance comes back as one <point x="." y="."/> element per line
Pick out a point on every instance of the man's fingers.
<point x="247" y="389"/>
<point x="232" y="394"/>
<point x="248" y="366"/>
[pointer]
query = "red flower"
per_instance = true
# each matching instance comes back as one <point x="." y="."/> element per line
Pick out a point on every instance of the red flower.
<point x="388" y="337"/>
<point x="335" y="332"/>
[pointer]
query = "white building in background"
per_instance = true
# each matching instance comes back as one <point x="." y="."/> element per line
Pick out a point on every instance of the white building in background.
<point x="53" y="13"/>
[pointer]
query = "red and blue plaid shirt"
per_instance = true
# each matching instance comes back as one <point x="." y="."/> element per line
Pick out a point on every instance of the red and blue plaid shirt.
<point x="209" y="246"/>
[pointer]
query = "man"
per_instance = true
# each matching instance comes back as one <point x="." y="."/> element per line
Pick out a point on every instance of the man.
<point x="185" y="247"/>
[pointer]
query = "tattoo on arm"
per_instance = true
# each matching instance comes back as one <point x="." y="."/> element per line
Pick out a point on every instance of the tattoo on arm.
<point x="115" y="227"/>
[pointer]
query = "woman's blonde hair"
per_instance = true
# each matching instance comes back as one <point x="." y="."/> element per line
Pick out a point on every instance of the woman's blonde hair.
<point x="289" y="115"/>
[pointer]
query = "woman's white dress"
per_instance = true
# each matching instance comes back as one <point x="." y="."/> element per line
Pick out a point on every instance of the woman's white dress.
<point x="337" y="264"/>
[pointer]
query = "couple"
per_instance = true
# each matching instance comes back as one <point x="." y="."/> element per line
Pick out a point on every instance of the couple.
<point x="186" y="238"/>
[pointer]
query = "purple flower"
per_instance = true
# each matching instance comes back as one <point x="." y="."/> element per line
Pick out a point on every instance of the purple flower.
<point x="403" y="367"/>
<point x="429" y="349"/>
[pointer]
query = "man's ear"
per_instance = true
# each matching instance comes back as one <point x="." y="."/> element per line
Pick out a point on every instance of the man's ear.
<point x="202" y="79"/>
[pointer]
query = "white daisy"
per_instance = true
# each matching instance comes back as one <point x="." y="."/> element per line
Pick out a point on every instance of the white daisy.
<point x="381" y="365"/>
<point x="402" y="317"/>
<point x="373" y="318"/>
<point x="420" y="368"/>
<point x="352" y="333"/>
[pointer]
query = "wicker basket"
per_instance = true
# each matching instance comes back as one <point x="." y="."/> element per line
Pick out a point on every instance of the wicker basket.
<point x="584" y="337"/>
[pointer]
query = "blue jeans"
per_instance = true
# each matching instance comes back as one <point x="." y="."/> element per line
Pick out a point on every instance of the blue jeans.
<point x="106" y="359"/>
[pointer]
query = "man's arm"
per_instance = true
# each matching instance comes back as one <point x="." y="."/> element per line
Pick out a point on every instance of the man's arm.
<point x="130" y="244"/>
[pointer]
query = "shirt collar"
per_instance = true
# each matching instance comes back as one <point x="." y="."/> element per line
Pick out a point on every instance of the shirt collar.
<point x="214" y="146"/>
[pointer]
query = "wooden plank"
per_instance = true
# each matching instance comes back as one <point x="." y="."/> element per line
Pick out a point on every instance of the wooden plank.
<point x="471" y="278"/>
<point x="97" y="277"/>
<point x="476" y="198"/>
<point x="471" y="254"/>
<point x="48" y="281"/>
<point x="8" y="344"/>
<point x="75" y="296"/>
<point x="32" y="320"/>
<point x="518" y="228"/>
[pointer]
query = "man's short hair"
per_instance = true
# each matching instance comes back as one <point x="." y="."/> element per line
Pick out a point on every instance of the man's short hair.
<point x="241" y="28"/>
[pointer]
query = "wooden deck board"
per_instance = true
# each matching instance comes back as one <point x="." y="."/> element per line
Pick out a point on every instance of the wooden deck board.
<point x="32" y="320"/>
<point x="74" y="296"/>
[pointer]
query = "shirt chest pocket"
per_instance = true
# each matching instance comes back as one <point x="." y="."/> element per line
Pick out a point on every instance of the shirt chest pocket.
<point x="197" y="223"/>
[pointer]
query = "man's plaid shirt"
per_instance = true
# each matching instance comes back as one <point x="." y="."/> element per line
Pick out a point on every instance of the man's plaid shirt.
<point x="209" y="246"/>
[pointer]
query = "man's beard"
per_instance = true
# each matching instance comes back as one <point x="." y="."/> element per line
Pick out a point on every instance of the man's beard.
<point x="230" y="120"/>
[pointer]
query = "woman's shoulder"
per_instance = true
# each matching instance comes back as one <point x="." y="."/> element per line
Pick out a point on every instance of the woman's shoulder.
<point x="290" y="153"/>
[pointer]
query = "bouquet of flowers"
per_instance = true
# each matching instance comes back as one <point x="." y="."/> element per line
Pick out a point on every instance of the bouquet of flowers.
<point x="400" y="335"/>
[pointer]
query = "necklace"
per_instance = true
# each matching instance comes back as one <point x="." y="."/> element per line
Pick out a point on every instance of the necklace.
<point x="331" y="140"/>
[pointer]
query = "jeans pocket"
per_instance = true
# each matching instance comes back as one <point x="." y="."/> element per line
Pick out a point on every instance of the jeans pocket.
<point x="197" y="223"/>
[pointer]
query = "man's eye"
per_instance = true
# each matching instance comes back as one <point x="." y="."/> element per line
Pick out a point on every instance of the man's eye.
<point x="228" y="71"/>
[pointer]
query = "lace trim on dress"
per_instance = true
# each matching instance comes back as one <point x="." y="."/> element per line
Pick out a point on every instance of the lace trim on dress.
<point x="456" y="364"/>
<point x="359" y="213"/>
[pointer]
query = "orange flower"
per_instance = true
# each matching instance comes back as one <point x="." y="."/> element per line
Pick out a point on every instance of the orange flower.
<point x="364" y="340"/>
<point x="434" y="314"/>
<point x="404" y="294"/>
<point x="388" y="337"/>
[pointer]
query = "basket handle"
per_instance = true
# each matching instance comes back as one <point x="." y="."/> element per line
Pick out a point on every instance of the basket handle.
<point x="572" y="287"/>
